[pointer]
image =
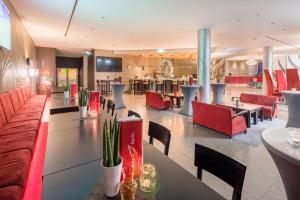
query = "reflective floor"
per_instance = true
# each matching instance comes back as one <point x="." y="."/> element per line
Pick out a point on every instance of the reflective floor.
<point x="262" y="178"/>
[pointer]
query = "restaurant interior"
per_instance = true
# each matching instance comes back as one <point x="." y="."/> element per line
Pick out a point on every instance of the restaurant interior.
<point x="165" y="100"/>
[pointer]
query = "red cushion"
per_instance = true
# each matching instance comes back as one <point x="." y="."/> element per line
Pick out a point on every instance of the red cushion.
<point x="26" y="116"/>
<point x="7" y="106"/>
<point x="20" y="96"/>
<point x="2" y="117"/>
<point x="14" y="100"/>
<point x="17" y="136"/>
<point x="28" y="91"/>
<point x="22" y="123"/>
<point x="24" y="93"/>
<point x="12" y="130"/>
<point x="14" y="167"/>
<point x="12" y="192"/>
<point x="17" y="145"/>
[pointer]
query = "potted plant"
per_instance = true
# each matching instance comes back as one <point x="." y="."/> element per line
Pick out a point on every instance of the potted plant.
<point x="66" y="91"/>
<point x="112" y="162"/>
<point x="83" y="99"/>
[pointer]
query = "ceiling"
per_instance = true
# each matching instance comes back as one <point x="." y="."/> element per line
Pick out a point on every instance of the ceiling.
<point x="153" y="24"/>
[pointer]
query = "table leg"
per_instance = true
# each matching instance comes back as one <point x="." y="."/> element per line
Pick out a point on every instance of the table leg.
<point x="178" y="102"/>
<point x="261" y="115"/>
<point x="248" y="119"/>
<point x="256" y="117"/>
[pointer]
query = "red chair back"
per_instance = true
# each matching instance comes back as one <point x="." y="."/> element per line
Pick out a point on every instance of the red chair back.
<point x="292" y="78"/>
<point x="269" y="82"/>
<point x="281" y="82"/>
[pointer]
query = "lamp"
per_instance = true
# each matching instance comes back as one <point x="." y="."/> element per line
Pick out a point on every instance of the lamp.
<point x="94" y="103"/>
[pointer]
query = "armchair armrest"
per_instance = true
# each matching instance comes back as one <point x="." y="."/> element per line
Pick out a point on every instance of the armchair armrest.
<point x="240" y="113"/>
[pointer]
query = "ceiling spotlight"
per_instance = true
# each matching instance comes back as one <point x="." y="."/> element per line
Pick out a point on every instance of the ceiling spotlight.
<point x="251" y="62"/>
<point x="272" y="23"/>
<point x="284" y="29"/>
<point x="238" y="20"/>
<point x="102" y="17"/>
<point x="161" y="50"/>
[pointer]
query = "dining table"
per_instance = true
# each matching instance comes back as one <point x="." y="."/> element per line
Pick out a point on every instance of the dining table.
<point x="74" y="152"/>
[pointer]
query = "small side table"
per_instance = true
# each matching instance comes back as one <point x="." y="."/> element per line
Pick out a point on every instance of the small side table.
<point x="178" y="98"/>
<point x="118" y="89"/>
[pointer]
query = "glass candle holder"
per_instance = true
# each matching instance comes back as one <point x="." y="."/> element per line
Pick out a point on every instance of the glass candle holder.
<point x="148" y="178"/>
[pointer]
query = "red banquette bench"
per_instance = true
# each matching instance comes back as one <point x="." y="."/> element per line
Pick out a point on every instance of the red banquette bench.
<point x="20" y="116"/>
<point x="155" y="100"/>
<point x="219" y="118"/>
<point x="269" y="103"/>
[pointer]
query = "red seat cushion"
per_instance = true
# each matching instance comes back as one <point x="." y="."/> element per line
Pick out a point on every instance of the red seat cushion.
<point x="26" y="116"/>
<point x="14" y="100"/>
<point x="14" y="167"/>
<point x="2" y="117"/>
<point x="12" y="192"/>
<point x="6" y="147"/>
<point x="13" y="130"/>
<point x="24" y="93"/>
<point x="17" y="136"/>
<point x="20" y="96"/>
<point x="26" y="125"/>
<point x="7" y="106"/>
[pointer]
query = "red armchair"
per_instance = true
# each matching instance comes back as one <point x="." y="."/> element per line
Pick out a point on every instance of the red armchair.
<point x="155" y="100"/>
<point x="223" y="119"/>
<point x="269" y="103"/>
<point x="292" y="78"/>
<point x="281" y="82"/>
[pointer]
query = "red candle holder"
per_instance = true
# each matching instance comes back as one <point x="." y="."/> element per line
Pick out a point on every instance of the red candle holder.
<point x="73" y="90"/>
<point x="94" y="103"/>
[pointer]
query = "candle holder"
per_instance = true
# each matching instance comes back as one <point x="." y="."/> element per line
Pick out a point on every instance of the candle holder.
<point x="148" y="178"/>
<point x="128" y="185"/>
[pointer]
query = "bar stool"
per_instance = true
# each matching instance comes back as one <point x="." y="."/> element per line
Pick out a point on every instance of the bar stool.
<point x="159" y="86"/>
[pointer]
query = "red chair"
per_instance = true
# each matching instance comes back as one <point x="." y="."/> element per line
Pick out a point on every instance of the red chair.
<point x="281" y="82"/>
<point x="155" y="100"/>
<point x="223" y="119"/>
<point x="292" y="78"/>
<point x="271" y="90"/>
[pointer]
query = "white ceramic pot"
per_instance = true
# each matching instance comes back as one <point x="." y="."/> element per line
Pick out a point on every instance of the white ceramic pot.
<point x="66" y="94"/>
<point x="82" y="111"/>
<point x="111" y="179"/>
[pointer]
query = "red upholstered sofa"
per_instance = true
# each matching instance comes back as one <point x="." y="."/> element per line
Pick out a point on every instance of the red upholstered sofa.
<point x="155" y="100"/>
<point x="219" y="118"/>
<point x="20" y="116"/>
<point x="269" y="103"/>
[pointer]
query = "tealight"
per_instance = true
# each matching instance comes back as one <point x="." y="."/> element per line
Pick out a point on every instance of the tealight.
<point x="148" y="178"/>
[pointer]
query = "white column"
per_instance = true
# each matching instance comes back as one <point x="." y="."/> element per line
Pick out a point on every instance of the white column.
<point x="267" y="64"/>
<point x="204" y="45"/>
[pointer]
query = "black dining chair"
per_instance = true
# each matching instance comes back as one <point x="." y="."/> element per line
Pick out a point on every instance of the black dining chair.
<point x="110" y="106"/>
<point x="222" y="166"/>
<point x="132" y="113"/>
<point x="102" y="101"/>
<point x="161" y="134"/>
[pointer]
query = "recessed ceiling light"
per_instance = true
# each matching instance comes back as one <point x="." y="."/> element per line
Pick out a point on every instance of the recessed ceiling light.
<point x="272" y="23"/>
<point x="161" y="50"/>
<point x="238" y="20"/>
<point x="254" y="39"/>
<point x="102" y="17"/>
<point x="284" y="29"/>
<point x="93" y="28"/>
<point x="256" y="15"/>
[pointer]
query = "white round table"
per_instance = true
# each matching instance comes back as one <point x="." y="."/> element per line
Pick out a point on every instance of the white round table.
<point x="292" y="99"/>
<point x="189" y="92"/>
<point x="218" y="90"/>
<point x="286" y="158"/>
<point x="118" y="89"/>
